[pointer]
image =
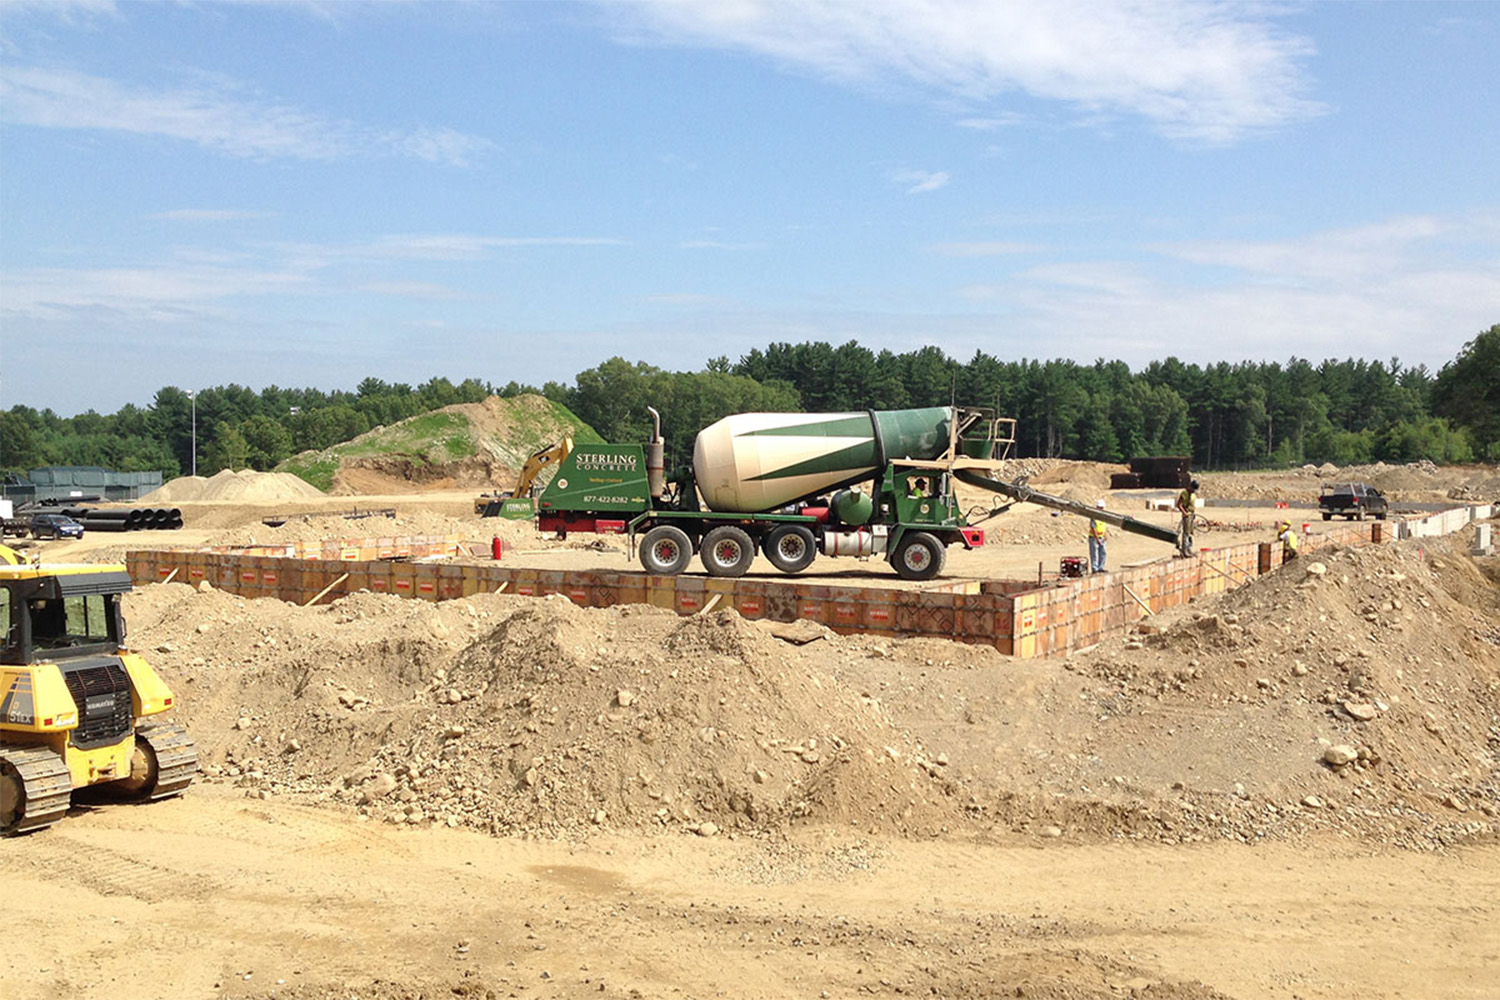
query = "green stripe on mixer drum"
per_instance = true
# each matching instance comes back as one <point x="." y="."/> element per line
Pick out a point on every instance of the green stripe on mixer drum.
<point x="847" y="425"/>
<point x="850" y="460"/>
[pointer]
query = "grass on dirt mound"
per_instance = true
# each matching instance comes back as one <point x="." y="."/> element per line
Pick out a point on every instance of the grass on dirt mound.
<point x="499" y="432"/>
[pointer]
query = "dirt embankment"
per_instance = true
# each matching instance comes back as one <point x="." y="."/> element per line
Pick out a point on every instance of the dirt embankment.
<point x="1217" y="721"/>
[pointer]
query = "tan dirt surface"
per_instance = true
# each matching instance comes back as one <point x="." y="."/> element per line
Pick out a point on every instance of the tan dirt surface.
<point x="1289" y="791"/>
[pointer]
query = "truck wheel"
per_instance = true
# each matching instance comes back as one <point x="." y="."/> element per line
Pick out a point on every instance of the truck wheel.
<point x="1327" y="516"/>
<point x="665" y="550"/>
<point x="727" y="551"/>
<point x="790" y="548"/>
<point x="1359" y="515"/>
<point x="920" y="556"/>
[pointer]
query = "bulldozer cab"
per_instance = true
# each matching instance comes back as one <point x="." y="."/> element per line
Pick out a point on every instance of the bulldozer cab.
<point x="52" y="612"/>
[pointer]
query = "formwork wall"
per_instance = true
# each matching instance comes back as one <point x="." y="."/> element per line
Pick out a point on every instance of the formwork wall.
<point x="1020" y="618"/>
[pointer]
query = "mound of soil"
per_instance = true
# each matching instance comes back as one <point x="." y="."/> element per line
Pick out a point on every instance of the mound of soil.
<point x="533" y="715"/>
<point x="505" y="430"/>
<point x="230" y="485"/>
<point x="1358" y="695"/>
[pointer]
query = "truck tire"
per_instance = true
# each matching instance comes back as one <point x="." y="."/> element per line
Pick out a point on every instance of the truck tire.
<point x="1327" y="516"/>
<point x="919" y="556"/>
<point x="791" y="548"/>
<point x="665" y="550"/>
<point x="727" y="551"/>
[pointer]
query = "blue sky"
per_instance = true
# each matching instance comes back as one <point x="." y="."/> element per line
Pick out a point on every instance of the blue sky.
<point x="307" y="193"/>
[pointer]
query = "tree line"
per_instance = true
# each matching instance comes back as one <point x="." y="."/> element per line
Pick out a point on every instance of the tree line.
<point x="1225" y="416"/>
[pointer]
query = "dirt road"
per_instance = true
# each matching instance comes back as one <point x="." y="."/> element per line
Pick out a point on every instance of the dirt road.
<point x="219" y="895"/>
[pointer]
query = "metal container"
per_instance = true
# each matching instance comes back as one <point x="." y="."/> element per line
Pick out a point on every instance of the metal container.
<point x="754" y="462"/>
<point x="852" y="506"/>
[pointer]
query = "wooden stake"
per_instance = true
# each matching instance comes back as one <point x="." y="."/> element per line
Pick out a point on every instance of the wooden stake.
<point x="172" y="575"/>
<point x="1137" y="600"/>
<point x="320" y="594"/>
<point x="712" y="601"/>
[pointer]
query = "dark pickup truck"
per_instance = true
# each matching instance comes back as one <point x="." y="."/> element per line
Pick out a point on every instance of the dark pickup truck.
<point x="1356" y="501"/>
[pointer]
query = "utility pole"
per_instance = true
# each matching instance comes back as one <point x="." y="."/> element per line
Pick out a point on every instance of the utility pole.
<point x="193" y="395"/>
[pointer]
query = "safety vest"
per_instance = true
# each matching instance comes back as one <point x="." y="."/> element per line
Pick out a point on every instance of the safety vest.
<point x="1098" y="529"/>
<point x="1289" y="539"/>
<point x="1187" y="501"/>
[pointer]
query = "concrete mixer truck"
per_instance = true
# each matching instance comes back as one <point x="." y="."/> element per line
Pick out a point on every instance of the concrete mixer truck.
<point x="791" y="486"/>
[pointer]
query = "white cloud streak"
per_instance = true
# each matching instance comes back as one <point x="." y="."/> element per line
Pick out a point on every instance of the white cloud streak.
<point x="215" y="118"/>
<point x="921" y="181"/>
<point x="1409" y="287"/>
<point x="1211" y="71"/>
<point x="194" y="277"/>
<point x="210" y="215"/>
<point x="985" y="248"/>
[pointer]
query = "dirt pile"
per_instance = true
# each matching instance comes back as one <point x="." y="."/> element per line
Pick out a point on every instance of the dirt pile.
<point x="1359" y="693"/>
<point x="533" y="715"/>
<point x="228" y="485"/>
<point x="499" y="434"/>
<point x="1414" y="482"/>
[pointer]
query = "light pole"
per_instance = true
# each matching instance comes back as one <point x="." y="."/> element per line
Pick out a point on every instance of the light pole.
<point x="193" y="395"/>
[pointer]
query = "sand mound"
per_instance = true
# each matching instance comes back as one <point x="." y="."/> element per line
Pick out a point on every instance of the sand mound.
<point x="230" y="485"/>
<point x="1391" y="651"/>
<point x="533" y="715"/>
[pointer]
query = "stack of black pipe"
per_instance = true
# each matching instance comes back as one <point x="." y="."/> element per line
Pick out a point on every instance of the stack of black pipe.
<point x="134" y="519"/>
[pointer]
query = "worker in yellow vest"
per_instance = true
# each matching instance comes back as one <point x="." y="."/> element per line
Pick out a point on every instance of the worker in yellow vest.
<point x="1288" y="539"/>
<point x="1187" y="506"/>
<point x="1098" y="532"/>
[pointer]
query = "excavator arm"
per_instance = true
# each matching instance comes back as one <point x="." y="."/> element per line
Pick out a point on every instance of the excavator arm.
<point x="517" y="504"/>
<point x="540" y="460"/>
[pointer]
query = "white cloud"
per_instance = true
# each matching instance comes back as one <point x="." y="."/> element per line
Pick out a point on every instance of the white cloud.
<point x="1416" y="288"/>
<point x="681" y="299"/>
<point x="193" y="277"/>
<point x="984" y="248"/>
<point x="717" y="245"/>
<point x="455" y="246"/>
<point x="1203" y="70"/>
<point x="144" y="292"/>
<point x="214" y="117"/>
<point x="1341" y="254"/>
<point x="409" y="290"/>
<point x="921" y="181"/>
<point x="210" y="215"/>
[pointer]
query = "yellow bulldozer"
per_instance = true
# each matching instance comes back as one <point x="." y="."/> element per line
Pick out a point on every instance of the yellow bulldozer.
<point x="77" y="706"/>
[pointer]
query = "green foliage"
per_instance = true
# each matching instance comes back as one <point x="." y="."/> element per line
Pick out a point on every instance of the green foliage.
<point x="317" y="468"/>
<point x="1467" y="392"/>
<point x="613" y="398"/>
<point x="227" y="449"/>
<point x="1225" y="415"/>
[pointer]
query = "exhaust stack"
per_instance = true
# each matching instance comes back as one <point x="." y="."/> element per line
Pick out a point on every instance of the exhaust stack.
<point x="656" y="472"/>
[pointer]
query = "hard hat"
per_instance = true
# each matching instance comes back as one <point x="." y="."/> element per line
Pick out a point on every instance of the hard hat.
<point x="1286" y="524"/>
<point x="1099" y="504"/>
<point x="1192" y="485"/>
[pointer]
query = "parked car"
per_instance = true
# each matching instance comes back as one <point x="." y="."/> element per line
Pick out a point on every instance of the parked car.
<point x="55" y="526"/>
<point x="1355" y="501"/>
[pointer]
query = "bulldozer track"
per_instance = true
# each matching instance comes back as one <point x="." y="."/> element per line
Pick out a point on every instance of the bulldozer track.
<point x="64" y="856"/>
<point x="46" y="789"/>
<point x="176" y="757"/>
